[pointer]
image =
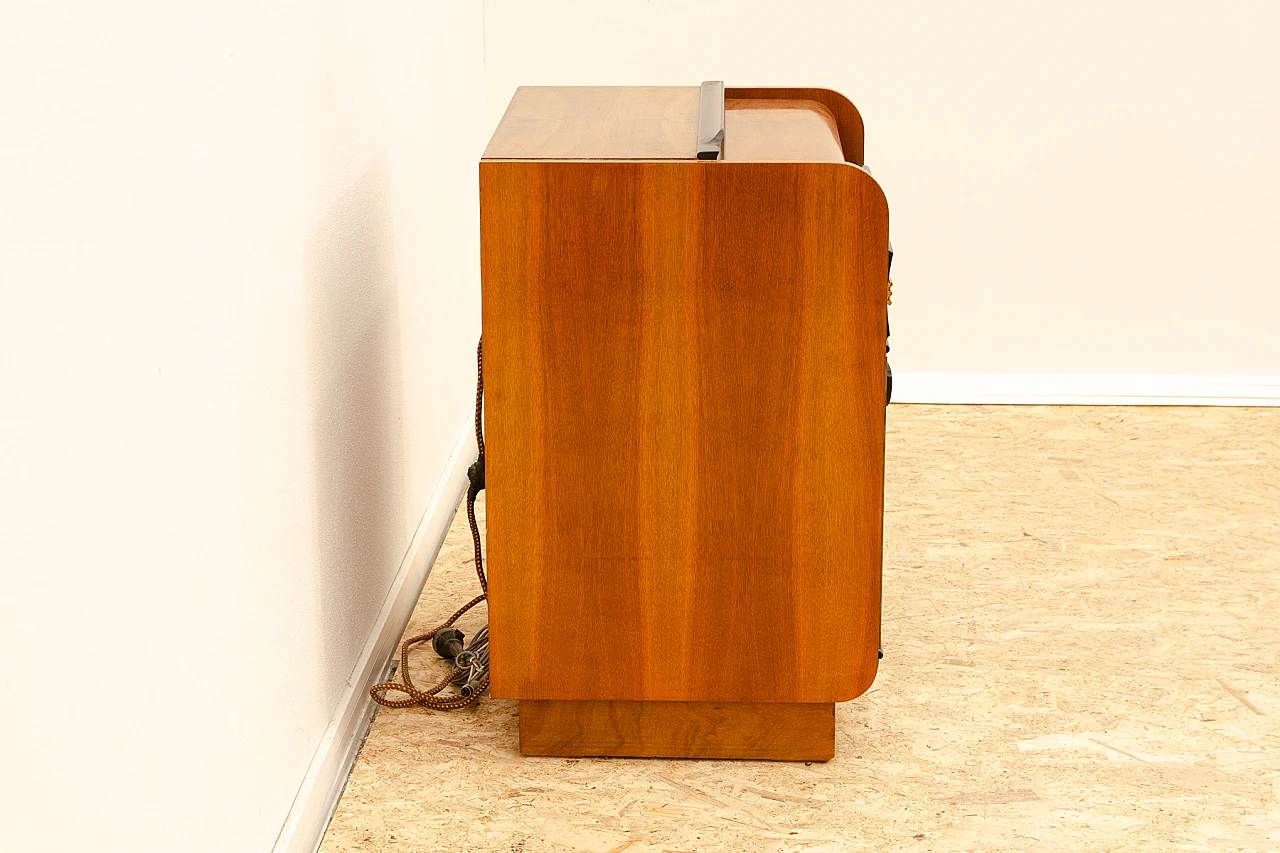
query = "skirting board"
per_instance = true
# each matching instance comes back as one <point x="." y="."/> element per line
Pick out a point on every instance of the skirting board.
<point x="1087" y="389"/>
<point x="326" y="776"/>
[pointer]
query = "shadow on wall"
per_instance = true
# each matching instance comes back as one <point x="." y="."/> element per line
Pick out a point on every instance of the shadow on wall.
<point x="355" y="397"/>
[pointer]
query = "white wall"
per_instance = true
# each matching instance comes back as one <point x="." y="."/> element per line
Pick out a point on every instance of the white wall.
<point x="1085" y="188"/>
<point x="238" y="307"/>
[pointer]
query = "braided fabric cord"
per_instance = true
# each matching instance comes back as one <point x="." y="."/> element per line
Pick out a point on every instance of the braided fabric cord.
<point x="430" y="697"/>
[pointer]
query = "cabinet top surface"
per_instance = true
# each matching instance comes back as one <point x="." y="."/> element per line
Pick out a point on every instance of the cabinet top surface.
<point x="656" y="123"/>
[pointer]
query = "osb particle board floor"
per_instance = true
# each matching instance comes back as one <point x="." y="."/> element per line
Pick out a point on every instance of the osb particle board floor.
<point x="1082" y="644"/>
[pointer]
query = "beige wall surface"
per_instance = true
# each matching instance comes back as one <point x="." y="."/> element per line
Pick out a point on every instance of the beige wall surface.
<point x="1084" y="189"/>
<point x="239" y="278"/>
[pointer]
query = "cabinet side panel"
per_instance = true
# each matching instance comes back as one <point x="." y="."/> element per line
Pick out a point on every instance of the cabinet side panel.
<point x="684" y="366"/>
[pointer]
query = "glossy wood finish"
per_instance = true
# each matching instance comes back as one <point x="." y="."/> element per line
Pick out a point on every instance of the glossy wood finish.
<point x="779" y="130"/>
<point x="848" y="120"/>
<point x="773" y="731"/>
<point x="685" y="408"/>
<point x="598" y="122"/>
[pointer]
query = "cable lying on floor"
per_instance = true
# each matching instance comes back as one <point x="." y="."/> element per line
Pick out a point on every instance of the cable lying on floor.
<point x="469" y="668"/>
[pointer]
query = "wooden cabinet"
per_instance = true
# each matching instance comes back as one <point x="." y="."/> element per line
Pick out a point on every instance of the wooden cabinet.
<point x="685" y="392"/>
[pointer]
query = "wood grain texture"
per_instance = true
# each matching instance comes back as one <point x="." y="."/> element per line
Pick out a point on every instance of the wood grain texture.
<point x="685" y="389"/>
<point x="769" y="730"/>
<point x="598" y="123"/>
<point x="780" y="130"/>
<point x="848" y="120"/>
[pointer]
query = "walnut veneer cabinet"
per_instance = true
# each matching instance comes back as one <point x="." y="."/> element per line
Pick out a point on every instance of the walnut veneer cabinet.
<point x="684" y="318"/>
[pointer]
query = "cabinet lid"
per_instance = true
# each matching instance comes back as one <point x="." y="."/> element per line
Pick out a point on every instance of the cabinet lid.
<point x="598" y="123"/>
<point x="657" y="123"/>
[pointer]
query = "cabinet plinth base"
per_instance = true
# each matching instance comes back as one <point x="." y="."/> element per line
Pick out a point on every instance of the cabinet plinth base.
<point x="777" y="731"/>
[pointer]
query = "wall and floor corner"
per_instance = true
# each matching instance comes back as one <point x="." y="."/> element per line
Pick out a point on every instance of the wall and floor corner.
<point x="239" y="262"/>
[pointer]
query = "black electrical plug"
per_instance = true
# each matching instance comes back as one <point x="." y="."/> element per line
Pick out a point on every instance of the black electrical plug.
<point x="475" y="477"/>
<point x="448" y="643"/>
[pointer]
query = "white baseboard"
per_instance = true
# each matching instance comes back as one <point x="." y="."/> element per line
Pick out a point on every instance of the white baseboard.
<point x="326" y="777"/>
<point x="1087" y="389"/>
